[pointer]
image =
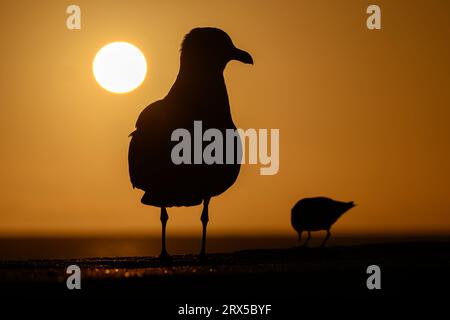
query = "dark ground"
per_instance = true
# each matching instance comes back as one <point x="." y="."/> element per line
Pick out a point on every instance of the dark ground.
<point x="413" y="269"/>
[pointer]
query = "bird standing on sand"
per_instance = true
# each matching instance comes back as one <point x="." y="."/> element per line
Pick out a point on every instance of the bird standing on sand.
<point x="315" y="214"/>
<point x="198" y="94"/>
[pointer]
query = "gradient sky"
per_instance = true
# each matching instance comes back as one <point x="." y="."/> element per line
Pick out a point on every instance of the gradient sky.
<point x="363" y="115"/>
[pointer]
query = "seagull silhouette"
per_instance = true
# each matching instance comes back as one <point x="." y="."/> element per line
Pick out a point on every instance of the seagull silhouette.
<point x="198" y="94"/>
<point x="315" y="214"/>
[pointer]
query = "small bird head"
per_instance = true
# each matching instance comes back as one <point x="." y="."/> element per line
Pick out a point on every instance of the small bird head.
<point x="211" y="48"/>
<point x="347" y="206"/>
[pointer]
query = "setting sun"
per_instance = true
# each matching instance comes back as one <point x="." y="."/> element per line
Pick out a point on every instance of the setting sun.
<point x="119" y="67"/>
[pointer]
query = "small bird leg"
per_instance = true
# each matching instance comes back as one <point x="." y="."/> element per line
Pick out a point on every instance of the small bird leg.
<point x="204" y="218"/>
<point x="326" y="239"/>
<point x="307" y="239"/>
<point x="299" y="236"/>
<point x="164" y="217"/>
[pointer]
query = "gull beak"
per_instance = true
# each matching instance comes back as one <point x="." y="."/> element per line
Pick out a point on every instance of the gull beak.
<point x="242" y="56"/>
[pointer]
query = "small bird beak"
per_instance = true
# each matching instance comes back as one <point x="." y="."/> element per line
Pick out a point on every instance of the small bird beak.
<point x="242" y="56"/>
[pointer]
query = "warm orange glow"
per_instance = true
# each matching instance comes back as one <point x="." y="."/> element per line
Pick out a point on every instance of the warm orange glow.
<point x="363" y="115"/>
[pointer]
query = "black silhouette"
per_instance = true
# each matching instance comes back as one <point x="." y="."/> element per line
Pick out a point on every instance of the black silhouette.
<point x="198" y="94"/>
<point x="314" y="214"/>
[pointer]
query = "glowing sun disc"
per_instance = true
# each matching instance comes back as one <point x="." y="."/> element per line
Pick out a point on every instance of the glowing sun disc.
<point x="119" y="67"/>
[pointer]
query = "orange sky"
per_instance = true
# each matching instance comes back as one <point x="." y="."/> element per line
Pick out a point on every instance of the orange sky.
<point x="363" y="115"/>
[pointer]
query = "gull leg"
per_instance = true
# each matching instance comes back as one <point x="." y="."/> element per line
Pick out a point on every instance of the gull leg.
<point x="164" y="217"/>
<point x="204" y="218"/>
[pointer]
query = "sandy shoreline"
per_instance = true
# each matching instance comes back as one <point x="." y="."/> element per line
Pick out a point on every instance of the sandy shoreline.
<point x="415" y="268"/>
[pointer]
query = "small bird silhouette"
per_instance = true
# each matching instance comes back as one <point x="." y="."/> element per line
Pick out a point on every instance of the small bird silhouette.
<point x="315" y="214"/>
<point x="198" y="94"/>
